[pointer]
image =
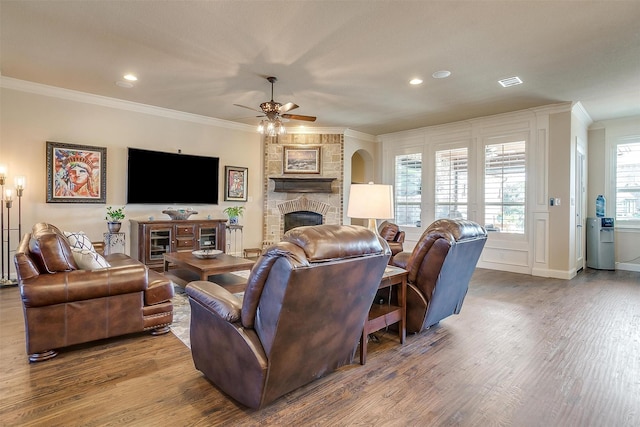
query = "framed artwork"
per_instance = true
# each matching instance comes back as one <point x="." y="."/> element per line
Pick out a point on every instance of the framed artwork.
<point x="235" y="183"/>
<point x="301" y="159"/>
<point x="76" y="173"/>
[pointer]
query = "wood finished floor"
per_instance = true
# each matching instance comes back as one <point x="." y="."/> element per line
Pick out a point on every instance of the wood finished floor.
<point x="525" y="351"/>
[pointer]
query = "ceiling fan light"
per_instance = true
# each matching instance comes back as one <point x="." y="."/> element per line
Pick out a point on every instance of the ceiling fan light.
<point x="261" y="127"/>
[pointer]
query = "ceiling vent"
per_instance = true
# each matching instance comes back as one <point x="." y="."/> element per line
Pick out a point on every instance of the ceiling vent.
<point x="511" y="81"/>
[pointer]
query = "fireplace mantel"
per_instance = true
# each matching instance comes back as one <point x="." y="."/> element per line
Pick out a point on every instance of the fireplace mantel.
<point x="302" y="185"/>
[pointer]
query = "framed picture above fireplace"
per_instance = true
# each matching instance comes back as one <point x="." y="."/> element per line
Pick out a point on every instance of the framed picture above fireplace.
<point x="301" y="159"/>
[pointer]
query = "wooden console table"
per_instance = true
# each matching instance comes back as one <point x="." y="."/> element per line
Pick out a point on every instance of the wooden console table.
<point x="383" y="315"/>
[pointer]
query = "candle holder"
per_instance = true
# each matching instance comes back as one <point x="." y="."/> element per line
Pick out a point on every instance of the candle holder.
<point x="20" y="183"/>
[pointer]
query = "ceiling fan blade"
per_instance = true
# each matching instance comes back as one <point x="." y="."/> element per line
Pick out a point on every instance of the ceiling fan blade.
<point x="287" y="107"/>
<point x="249" y="108"/>
<point x="299" y="117"/>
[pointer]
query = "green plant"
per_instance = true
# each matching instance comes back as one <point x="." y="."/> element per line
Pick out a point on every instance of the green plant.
<point x="114" y="215"/>
<point x="234" y="211"/>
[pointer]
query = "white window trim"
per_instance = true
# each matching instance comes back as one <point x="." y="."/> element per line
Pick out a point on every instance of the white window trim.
<point x="611" y="168"/>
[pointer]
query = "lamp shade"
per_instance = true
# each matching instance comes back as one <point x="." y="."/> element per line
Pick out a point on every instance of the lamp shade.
<point x="370" y="201"/>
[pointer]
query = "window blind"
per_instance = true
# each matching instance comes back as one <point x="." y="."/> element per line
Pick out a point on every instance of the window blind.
<point x="408" y="189"/>
<point x="505" y="186"/>
<point x="451" y="180"/>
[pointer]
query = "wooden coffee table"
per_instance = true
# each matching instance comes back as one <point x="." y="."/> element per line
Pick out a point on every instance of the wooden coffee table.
<point x="223" y="263"/>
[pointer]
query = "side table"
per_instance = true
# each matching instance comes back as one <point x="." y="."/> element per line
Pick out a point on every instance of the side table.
<point x="381" y="316"/>
<point x="114" y="243"/>
<point x="233" y="230"/>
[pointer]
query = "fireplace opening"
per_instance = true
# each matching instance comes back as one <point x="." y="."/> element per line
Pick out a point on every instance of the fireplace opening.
<point x="300" y="218"/>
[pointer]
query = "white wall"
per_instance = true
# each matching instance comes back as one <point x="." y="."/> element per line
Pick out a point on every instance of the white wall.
<point x="32" y="114"/>
<point x="545" y="249"/>
<point x="603" y="137"/>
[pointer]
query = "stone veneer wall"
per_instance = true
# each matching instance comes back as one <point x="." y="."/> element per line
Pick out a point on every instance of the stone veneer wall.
<point x="331" y="166"/>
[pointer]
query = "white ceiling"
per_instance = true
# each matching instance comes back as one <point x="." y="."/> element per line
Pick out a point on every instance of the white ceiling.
<point x="346" y="62"/>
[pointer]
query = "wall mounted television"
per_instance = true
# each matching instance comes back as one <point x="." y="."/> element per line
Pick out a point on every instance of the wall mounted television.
<point x="171" y="178"/>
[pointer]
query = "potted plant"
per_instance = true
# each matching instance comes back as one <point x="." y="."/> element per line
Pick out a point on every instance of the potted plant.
<point x="234" y="212"/>
<point x="114" y="219"/>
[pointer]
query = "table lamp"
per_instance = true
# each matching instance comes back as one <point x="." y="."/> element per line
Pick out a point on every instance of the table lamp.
<point x="371" y="201"/>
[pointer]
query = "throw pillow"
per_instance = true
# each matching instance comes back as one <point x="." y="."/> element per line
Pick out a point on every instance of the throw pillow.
<point x="89" y="260"/>
<point x="79" y="240"/>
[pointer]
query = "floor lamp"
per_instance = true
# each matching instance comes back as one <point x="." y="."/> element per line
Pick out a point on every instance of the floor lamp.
<point x="3" y="177"/>
<point x="371" y="201"/>
<point x="8" y="202"/>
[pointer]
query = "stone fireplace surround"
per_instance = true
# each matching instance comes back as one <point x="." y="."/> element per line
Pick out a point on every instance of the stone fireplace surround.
<point x="277" y="204"/>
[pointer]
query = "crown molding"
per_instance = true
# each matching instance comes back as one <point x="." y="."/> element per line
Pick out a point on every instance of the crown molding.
<point x="103" y="101"/>
<point x="582" y="114"/>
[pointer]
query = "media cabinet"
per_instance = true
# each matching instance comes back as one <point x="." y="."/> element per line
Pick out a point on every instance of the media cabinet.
<point x="150" y="240"/>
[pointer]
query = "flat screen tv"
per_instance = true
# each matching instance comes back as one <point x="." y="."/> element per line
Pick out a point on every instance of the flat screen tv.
<point x="171" y="178"/>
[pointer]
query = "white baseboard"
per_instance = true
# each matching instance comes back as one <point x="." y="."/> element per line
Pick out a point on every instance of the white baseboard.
<point x="628" y="266"/>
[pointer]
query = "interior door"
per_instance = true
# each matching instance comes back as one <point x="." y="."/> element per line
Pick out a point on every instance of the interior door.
<point x="580" y="206"/>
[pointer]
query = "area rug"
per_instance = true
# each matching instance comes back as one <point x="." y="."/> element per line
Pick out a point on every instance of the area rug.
<point x="182" y="311"/>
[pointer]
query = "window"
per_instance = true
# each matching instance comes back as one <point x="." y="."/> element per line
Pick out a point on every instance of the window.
<point x="628" y="181"/>
<point x="452" y="174"/>
<point x="408" y="189"/>
<point x="504" y="187"/>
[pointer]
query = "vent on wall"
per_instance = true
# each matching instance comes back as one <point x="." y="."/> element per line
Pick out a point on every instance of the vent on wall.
<point x="510" y="81"/>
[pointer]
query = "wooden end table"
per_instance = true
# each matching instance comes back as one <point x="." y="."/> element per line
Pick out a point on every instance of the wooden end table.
<point x="381" y="316"/>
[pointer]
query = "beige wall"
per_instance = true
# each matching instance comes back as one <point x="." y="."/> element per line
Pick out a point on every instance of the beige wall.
<point x="602" y="139"/>
<point x="559" y="179"/>
<point x="28" y="120"/>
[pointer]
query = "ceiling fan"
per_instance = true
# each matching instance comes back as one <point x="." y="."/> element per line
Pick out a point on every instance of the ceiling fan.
<point x="275" y="111"/>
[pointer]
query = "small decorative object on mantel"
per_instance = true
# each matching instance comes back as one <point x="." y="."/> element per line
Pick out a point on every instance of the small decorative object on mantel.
<point x="234" y="212"/>
<point x="177" y="214"/>
<point x="114" y="219"/>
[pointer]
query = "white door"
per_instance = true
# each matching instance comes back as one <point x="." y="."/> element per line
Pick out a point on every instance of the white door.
<point x="580" y="206"/>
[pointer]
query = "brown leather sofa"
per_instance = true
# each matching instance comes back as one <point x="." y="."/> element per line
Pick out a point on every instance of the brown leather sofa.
<point x="393" y="235"/>
<point x="64" y="305"/>
<point x="301" y="318"/>
<point x="440" y="267"/>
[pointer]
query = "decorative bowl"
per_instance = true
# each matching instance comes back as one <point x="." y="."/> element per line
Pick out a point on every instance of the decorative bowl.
<point x="206" y="253"/>
<point x="176" y="214"/>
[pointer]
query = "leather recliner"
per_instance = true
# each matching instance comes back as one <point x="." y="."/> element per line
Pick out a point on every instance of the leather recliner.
<point x="64" y="305"/>
<point x="393" y="235"/>
<point x="440" y="268"/>
<point x="301" y="317"/>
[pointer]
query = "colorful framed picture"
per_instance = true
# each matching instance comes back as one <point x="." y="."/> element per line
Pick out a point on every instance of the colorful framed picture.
<point x="235" y="183"/>
<point x="301" y="159"/>
<point x="76" y="173"/>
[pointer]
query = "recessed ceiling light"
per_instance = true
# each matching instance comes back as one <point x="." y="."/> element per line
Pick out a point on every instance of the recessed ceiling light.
<point x="124" y="84"/>
<point x="442" y="74"/>
<point x="510" y="81"/>
<point x="130" y="77"/>
<point x="415" y="81"/>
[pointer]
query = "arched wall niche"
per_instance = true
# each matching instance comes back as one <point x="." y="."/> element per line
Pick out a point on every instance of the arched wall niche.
<point x="362" y="166"/>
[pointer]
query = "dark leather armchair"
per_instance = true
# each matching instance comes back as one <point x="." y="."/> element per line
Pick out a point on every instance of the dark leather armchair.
<point x="394" y="237"/>
<point x="64" y="305"/>
<point x="440" y="267"/>
<point x="301" y="317"/>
